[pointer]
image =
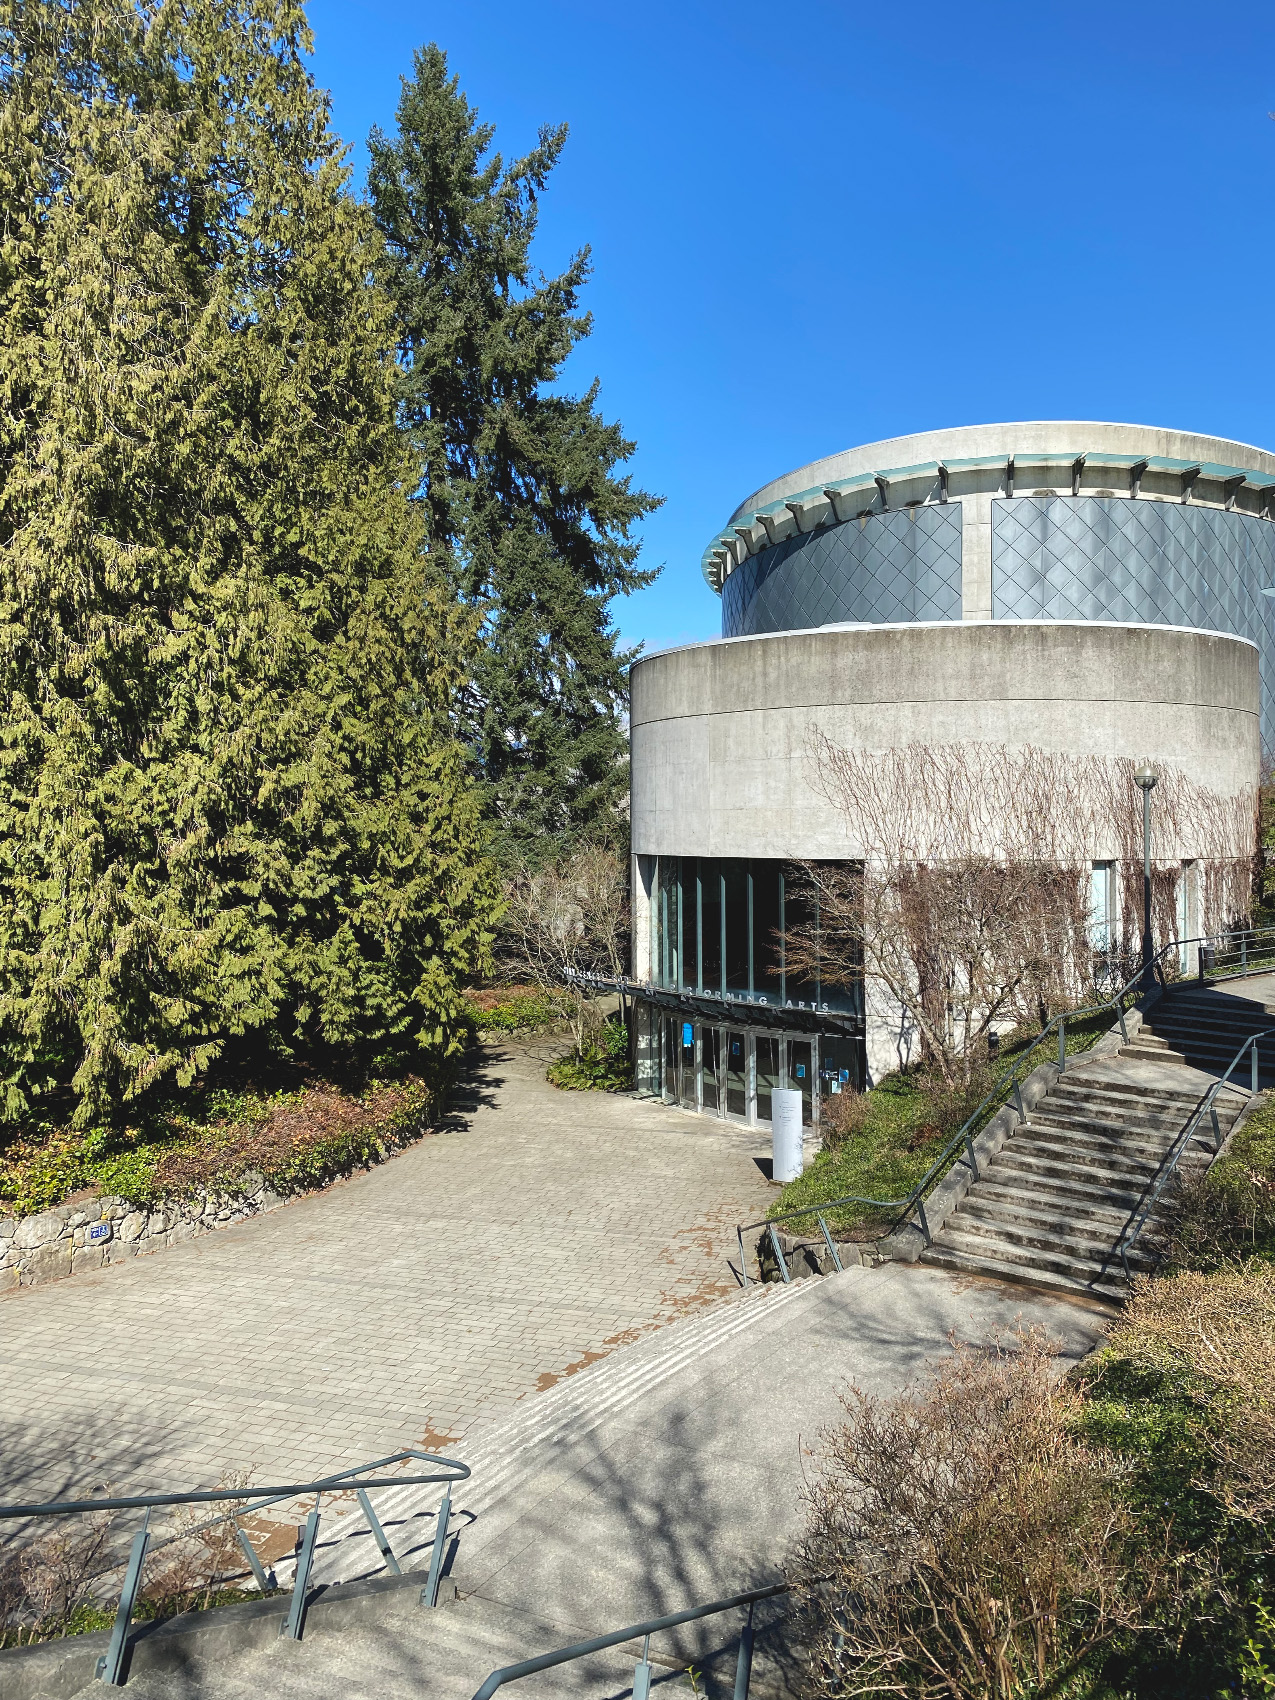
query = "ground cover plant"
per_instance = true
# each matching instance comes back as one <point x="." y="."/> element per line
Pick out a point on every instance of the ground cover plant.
<point x="291" y="1138"/>
<point x="601" y="1064"/>
<point x="518" y="1008"/>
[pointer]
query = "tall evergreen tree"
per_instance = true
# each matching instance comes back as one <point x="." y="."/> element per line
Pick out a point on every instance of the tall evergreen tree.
<point x="518" y="480"/>
<point x="230" y="799"/>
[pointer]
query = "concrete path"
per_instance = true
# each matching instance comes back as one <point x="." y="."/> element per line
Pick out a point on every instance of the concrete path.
<point x="671" y="1474"/>
<point x="534" y="1234"/>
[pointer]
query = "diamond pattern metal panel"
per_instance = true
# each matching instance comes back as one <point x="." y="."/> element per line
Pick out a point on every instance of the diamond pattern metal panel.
<point x="898" y="566"/>
<point x="1161" y="563"/>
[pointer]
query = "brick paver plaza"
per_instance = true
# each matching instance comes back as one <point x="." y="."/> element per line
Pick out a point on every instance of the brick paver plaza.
<point x="537" y="1232"/>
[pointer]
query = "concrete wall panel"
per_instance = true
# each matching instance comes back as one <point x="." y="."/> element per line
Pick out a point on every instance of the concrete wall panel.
<point x="721" y="731"/>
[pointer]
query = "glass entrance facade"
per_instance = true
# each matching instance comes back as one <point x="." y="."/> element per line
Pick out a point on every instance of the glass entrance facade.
<point x="732" y="1071"/>
<point x="718" y="932"/>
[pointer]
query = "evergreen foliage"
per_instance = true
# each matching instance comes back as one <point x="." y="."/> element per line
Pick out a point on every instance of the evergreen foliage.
<point x="229" y="799"/>
<point x="524" y="506"/>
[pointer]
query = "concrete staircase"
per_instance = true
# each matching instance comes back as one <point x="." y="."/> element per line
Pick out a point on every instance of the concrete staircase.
<point x="1050" y="1209"/>
<point x="1203" y="1027"/>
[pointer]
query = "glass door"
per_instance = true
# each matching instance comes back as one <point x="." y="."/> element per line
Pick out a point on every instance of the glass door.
<point x="736" y="1074"/>
<point x="711" y="1040"/>
<point x="801" y="1077"/>
<point x="686" y="1087"/>
<point x="767" y="1073"/>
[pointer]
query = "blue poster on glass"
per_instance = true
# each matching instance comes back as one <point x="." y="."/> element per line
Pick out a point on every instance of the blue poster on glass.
<point x="688" y="1033"/>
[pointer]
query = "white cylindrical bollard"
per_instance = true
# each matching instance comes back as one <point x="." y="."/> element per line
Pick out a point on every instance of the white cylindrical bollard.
<point x="786" y="1133"/>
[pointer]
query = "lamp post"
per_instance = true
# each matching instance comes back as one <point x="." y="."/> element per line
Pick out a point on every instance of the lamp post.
<point x="1146" y="778"/>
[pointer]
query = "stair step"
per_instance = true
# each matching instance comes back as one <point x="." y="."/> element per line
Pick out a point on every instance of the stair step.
<point x="1065" y="1204"/>
<point x="1060" y="1178"/>
<point x="1080" y="1265"/>
<point x="1140" y="1051"/>
<point x="1053" y="1238"/>
<point x="1130" y="1131"/>
<point x="1126" y="1110"/>
<point x="1112" y="1289"/>
<point x="1043" y="1144"/>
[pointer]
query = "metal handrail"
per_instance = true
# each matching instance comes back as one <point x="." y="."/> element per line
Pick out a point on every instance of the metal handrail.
<point x="1008" y="1083"/>
<point x="110" y="1666"/>
<point x="1132" y="1230"/>
<point x="642" y="1677"/>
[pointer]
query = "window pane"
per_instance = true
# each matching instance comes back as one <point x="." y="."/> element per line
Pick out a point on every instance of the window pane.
<point x="690" y="926"/>
<point x="736" y="881"/>
<point x="766" y="952"/>
<point x="710" y="890"/>
<point x="800" y="1077"/>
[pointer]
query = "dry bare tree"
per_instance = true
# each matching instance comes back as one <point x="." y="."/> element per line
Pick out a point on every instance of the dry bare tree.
<point x="969" y="901"/>
<point x="566" y="920"/>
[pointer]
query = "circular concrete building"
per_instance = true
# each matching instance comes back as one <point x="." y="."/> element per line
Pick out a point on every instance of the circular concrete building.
<point x="1079" y="594"/>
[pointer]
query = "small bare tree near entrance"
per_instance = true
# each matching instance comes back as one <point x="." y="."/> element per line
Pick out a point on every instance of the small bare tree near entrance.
<point x="565" y="921"/>
<point x="970" y="906"/>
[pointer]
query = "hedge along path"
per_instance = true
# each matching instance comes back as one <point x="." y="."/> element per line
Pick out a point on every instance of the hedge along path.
<point x="215" y="1175"/>
<point x="537" y="1229"/>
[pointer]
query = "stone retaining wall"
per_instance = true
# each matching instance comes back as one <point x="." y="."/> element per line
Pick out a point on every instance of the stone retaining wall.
<point x="91" y="1233"/>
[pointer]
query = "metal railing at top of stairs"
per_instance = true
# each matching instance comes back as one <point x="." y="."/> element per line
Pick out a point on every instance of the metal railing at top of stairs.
<point x="1132" y="1230"/>
<point x="110" y="1668"/>
<point x="1252" y="948"/>
<point x="642" y="1675"/>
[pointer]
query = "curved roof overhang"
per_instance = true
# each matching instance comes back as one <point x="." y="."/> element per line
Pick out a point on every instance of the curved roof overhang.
<point x="941" y="481"/>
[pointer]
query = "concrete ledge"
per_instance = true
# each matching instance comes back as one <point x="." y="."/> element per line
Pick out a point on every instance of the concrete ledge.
<point x="906" y="1242"/>
<point x="57" y="1670"/>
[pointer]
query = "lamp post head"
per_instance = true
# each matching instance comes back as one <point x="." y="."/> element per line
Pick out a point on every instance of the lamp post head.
<point x="1146" y="777"/>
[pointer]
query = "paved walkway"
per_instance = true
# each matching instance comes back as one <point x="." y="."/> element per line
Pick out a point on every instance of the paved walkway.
<point x="671" y="1474"/>
<point x="529" y="1238"/>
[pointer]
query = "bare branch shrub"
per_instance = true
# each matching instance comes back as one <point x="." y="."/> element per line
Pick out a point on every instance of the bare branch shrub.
<point x="196" y="1561"/>
<point x="970" y="904"/>
<point x="961" y="1543"/>
<point x="46" y="1581"/>
<point x="1217" y="1332"/>
<point x="566" y="919"/>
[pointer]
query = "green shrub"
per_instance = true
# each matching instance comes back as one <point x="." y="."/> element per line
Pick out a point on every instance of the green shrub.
<point x="512" y="1009"/>
<point x="601" y="1066"/>
<point x="294" y="1140"/>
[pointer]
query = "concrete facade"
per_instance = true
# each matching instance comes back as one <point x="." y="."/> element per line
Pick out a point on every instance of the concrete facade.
<point x="720" y="731"/>
<point x="1094" y="591"/>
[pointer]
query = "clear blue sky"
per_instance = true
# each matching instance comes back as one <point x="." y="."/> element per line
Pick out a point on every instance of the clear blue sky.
<point x="816" y="225"/>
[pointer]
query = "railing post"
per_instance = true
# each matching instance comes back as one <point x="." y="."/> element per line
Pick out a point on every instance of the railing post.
<point x="250" y="1553"/>
<point x="1124" y="1031"/>
<point x="832" y="1250"/>
<point x="111" y="1664"/>
<point x="1062" y="1047"/>
<point x="429" y="1593"/>
<point x="295" y="1621"/>
<point x="744" y="1663"/>
<point x="743" y="1256"/>
<point x="774" y="1240"/>
<point x="925" y="1226"/>
<point x="378" y="1533"/>
<point x="641" y="1688"/>
<point x="1018" y="1101"/>
<point x="1217" y="1131"/>
<point x="969" y="1152"/>
<point x="1244" y="952"/>
<point x="1255" y="1068"/>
